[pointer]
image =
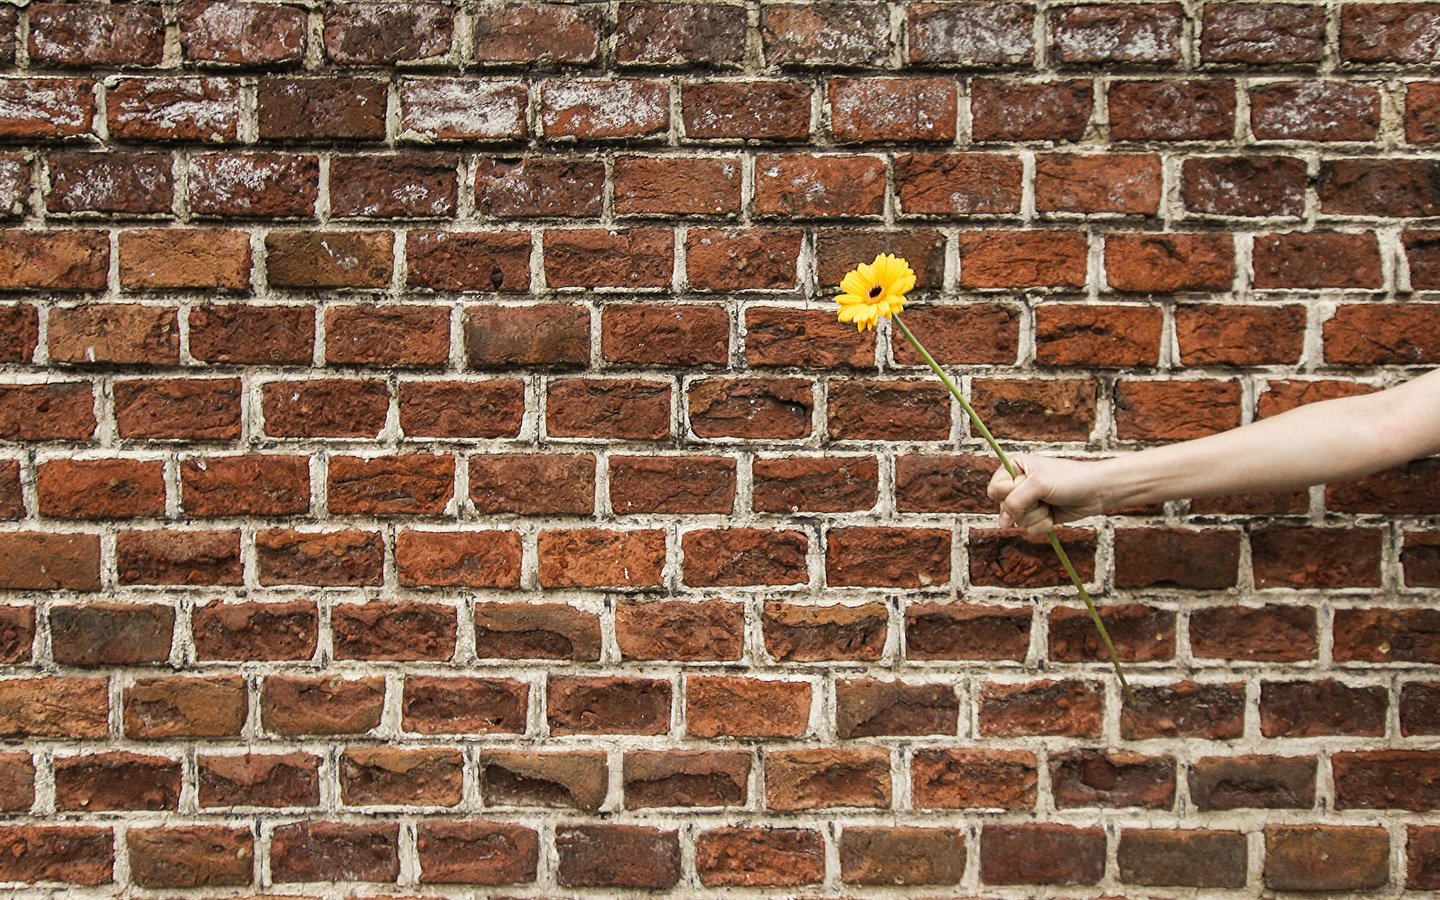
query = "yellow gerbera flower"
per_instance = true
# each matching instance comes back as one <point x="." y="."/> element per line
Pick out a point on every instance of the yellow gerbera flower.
<point x="875" y="289"/>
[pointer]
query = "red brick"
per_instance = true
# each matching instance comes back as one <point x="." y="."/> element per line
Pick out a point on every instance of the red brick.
<point x="549" y="335"/>
<point x="312" y="109"/>
<point x="1180" y="110"/>
<point x="476" y="853"/>
<point x="1403" y="33"/>
<point x="826" y="34"/>
<point x="1379" y="187"/>
<point x="684" y="485"/>
<point x="15" y="186"/>
<point x="706" y="630"/>
<point x="461" y="109"/>
<point x="1173" y="558"/>
<point x="1111" y="779"/>
<point x="950" y="483"/>
<point x="971" y="184"/>
<point x="256" y="631"/>
<point x="595" y="705"/>
<point x="1021" y="259"/>
<point x="537" y="33"/>
<point x="469" y="706"/>
<point x="1239" y="335"/>
<point x="1004" y="558"/>
<point x="166" y="708"/>
<point x="334" y="407"/>
<point x="1332" y="858"/>
<point x="310" y="260"/>
<point x="620" y="856"/>
<point x="533" y="484"/>
<point x="1314" y="111"/>
<point x="410" y="185"/>
<point x="238" y="333"/>
<point x="178" y="557"/>
<point x="811" y="339"/>
<point x="887" y="557"/>
<point x="176" y="109"/>
<point x="1420" y="558"/>
<point x="1244" y="185"/>
<point x="461" y="409"/>
<point x="744" y="556"/>
<point x="83" y="34"/>
<point x="209" y="259"/>
<point x="334" y="558"/>
<point x="806" y="186"/>
<point x="888" y="411"/>
<point x="839" y="249"/>
<point x="409" y="484"/>
<point x="762" y="259"/>
<point x="1310" y="708"/>
<point x="321" y="705"/>
<point x="819" y="484"/>
<point x="1422" y="252"/>
<point x="393" y="631"/>
<point x="51" y="707"/>
<point x="468" y="261"/>
<point x="19" y="333"/>
<point x="1284" y="633"/>
<point x="1182" y="857"/>
<point x="1422" y="850"/>
<point x="901" y="855"/>
<point x="175" y="409"/>
<point x="594" y="558"/>
<point x="471" y="559"/>
<point x="391" y="336"/>
<point x="1419" y="708"/>
<point x="628" y="258"/>
<point x="892" y="109"/>
<point x="966" y="631"/>
<point x="74" y="854"/>
<point x="537" y="186"/>
<point x="1315" y="260"/>
<point x="1120" y="336"/>
<point x="1185" y="709"/>
<point x="1004" y="110"/>
<point x="190" y="857"/>
<point x="114" y="333"/>
<point x="115" y="183"/>
<point x="1262" y="34"/>
<point x="755" y="110"/>
<point x="759" y="857"/>
<point x="1061" y="410"/>
<point x="111" y="634"/>
<point x="736" y="707"/>
<point x="1408" y="490"/>
<point x="37" y="561"/>
<point x="1387" y="635"/>
<point x="1140" y="634"/>
<point x="1067" y="708"/>
<point x="335" y="851"/>
<point x="1286" y="557"/>
<point x="392" y="776"/>
<point x="573" y="779"/>
<point x="235" y="33"/>
<point x="1168" y="263"/>
<point x="380" y="34"/>
<point x="45" y="108"/>
<point x="699" y="34"/>
<point x="973" y="779"/>
<point x="260" y="780"/>
<point x="1127" y="184"/>
<point x="116" y="781"/>
<point x="969" y="334"/>
<point x="600" y="110"/>
<point x="826" y="778"/>
<point x="12" y="498"/>
<point x="686" y="778"/>
<point x="1041" y="853"/>
<point x="1422" y="112"/>
<point x="53" y="260"/>
<point x="774" y="408"/>
<point x="1139" y="34"/>
<point x="17" y="639"/>
<point x="101" y="488"/>
<point x="801" y="633"/>
<point x="639" y="334"/>
<point x="986" y="33"/>
<point x="618" y="409"/>
<point x="258" y="485"/>
<point x="868" y="708"/>
<point x="1174" y="411"/>
<point x="254" y="185"/>
<point x="17" y="782"/>
<point x="676" y="185"/>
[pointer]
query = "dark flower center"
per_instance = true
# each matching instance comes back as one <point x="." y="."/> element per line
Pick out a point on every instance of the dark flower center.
<point x="875" y="292"/>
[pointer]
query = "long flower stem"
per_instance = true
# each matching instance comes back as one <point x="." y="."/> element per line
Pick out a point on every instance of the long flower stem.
<point x="1010" y="467"/>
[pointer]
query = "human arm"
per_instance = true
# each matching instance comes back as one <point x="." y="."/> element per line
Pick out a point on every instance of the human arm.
<point x="1334" y="440"/>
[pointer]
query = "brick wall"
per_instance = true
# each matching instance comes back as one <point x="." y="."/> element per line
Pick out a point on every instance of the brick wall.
<point x="428" y="456"/>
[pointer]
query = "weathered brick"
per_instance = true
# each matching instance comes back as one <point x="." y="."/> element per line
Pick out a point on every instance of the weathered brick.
<point x="869" y="708"/>
<point x="170" y="707"/>
<point x="39" y="561"/>
<point x="698" y="34"/>
<point x="755" y="110"/>
<point x="776" y="408"/>
<point x="1022" y="259"/>
<point x="1262" y="34"/>
<point x="1239" y="336"/>
<point x="901" y="855"/>
<point x="744" y="556"/>
<point x="239" y="333"/>
<point x="191" y="856"/>
<point x="1176" y="410"/>
<point x="321" y="705"/>
<point x="686" y="778"/>
<point x="887" y="557"/>
<point x="898" y="109"/>
<point x="114" y="183"/>
<point x="325" y="408"/>
<point x="828" y="186"/>
<point x="571" y="779"/>
<point x="176" y="109"/>
<point x="476" y="853"/>
<point x="1041" y="853"/>
<point x="53" y="260"/>
<point x="259" y="779"/>
<point x="688" y="484"/>
<point x="121" y="334"/>
<point x="188" y="409"/>
<point x="1326" y="857"/>
<point x="1071" y="708"/>
<point x="440" y="705"/>
<point x="826" y="778"/>
<point x="762" y="259"/>
<point x="974" y="34"/>
<point x="676" y="185"/>
<point x="1127" y="184"/>
<point x="74" y="854"/>
<point x="178" y="557"/>
<point x="116" y="781"/>
<point x="738" y="707"/>
<point x="1185" y="709"/>
<point x="101" y="488"/>
<point x="802" y="633"/>
<point x="317" y="260"/>
<point x="1006" y="110"/>
<point x="689" y="336"/>
<point x="1244" y="185"/>
<point x="55" y="707"/>
<point x="966" y="631"/>
<point x="617" y="856"/>
<point x="759" y="857"/>
<point x="335" y="851"/>
<point x="1314" y="111"/>
<point x="608" y="705"/>
<point x="1402" y="33"/>
<point x="390" y="776"/>
<point x="380" y="34"/>
<point x="1139" y="34"/>
<point x="968" y="184"/>
<point x="551" y="335"/>
<point x="603" y="110"/>
<point x="224" y="32"/>
<point x="468" y="261"/>
<point x="973" y="779"/>
<point x="83" y="34"/>
<point x="820" y="484"/>
<point x="475" y="559"/>
<point x="537" y="33"/>
<point x="254" y="185"/>
<point x="393" y="631"/>
<point x="825" y="34"/>
<point x="1182" y="857"/>
<point x="462" y="409"/>
<point x="628" y="258"/>
<point x="257" y="485"/>
<point x="310" y="109"/>
<point x="1140" y="633"/>
<point x="409" y="185"/>
<point x="256" y="631"/>
<point x="1036" y="410"/>
<point x="1118" y="336"/>
<point x="1168" y="263"/>
<point x="1379" y="187"/>
<point x="210" y="259"/>
<point x="871" y="410"/>
<point x="598" y="558"/>
<point x="461" y="109"/>
<point x="1112" y="778"/>
<point x="44" y="108"/>
<point x="333" y="558"/>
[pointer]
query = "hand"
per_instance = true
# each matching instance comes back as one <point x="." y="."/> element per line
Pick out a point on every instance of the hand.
<point x="1046" y="493"/>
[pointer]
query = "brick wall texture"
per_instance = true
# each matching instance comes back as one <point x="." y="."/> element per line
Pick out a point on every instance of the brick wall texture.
<point x="430" y="463"/>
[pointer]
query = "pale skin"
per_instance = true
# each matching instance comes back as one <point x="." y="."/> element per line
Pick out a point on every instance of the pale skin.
<point x="1319" y="443"/>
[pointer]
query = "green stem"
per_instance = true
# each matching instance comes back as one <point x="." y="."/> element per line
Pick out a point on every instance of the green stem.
<point x="1010" y="467"/>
